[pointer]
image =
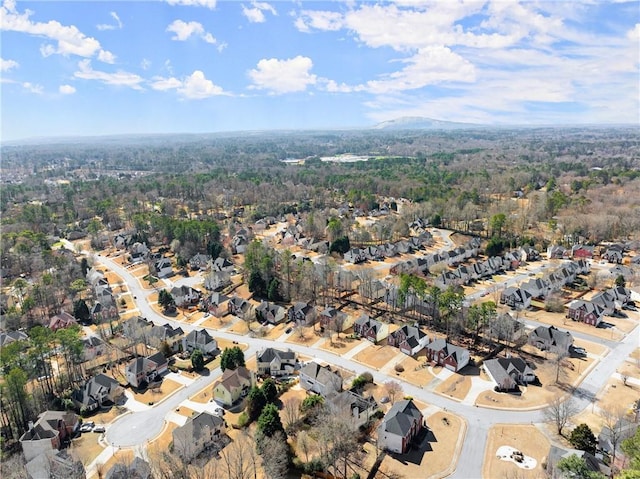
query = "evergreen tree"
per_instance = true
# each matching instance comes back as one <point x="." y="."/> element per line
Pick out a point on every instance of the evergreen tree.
<point x="231" y="358"/>
<point x="270" y="390"/>
<point x="269" y="421"/>
<point x="197" y="360"/>
<point x="583" y="438"/>
<point x="256" y="401"/>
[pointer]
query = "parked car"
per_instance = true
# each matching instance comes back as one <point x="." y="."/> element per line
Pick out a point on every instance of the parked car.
<point x="87" y="426"/>
<point x="98" y="428"/>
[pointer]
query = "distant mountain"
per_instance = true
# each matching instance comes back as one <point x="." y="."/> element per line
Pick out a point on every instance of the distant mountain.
<point x="421" y="123"/>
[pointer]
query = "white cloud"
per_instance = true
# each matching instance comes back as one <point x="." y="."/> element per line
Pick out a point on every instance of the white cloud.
<point x="198" y="87"/>
<point x="118" y="78"/>
<point x="255" y="14"/>
<point x="66" y="90"/>
<point x="109" y="26"/>
<point x="31" y="88"/>
<point x="106" y="57"/>
<point x="162" y="84"/>
<point x="319" y="20"/>
<point x="283" y="76"/>
<point x="194" y="87"/>
<point x="68" y="39"/>
<point x="431" y="65"/>
<point x="184" y="30"/>
<point x="7" y="65"/>
<point x="194" y="3"/>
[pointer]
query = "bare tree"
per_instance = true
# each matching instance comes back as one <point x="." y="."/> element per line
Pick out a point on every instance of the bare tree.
<point x="240" y="458"/>
<point x="275" y="456"/>
<point x="393" y="389"/>
<point x="614" y="427"/>
<point x="304" y="444"/>
<point x="559" y="361"/>
<point x="559" y="412"/>
<point x="291" y="413"/>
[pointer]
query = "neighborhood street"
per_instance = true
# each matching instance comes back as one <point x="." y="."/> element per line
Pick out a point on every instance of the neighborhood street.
<point x="139" y="427"/>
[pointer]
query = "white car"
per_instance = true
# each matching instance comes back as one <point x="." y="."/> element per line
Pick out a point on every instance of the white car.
<point x="87" y="426"/>
<point x="98" y="429"/>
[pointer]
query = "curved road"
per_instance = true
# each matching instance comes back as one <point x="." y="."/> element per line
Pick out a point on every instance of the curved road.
<point x="139" y="427"/>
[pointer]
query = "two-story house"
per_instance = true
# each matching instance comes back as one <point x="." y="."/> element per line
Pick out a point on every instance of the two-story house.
<point x="409" y="339"/>
<point x="447" y="355"/>
<point x="320" y="379"/>
<point x="552" y="339"/>
<point x="275" y="362"/>
<point x="199" y="433"/>
<point x="49" y="432"/>
<point x="144" y="370"/>
<point x="234" y="384"/>
<point x="371" y="329"/>
<point x="202" y="340"/>
<point x="400" y="425"/>
<point x="96" y="391"/>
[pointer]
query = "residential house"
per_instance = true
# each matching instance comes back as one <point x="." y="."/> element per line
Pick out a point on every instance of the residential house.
<point x="104" y="295"/>
<point x="216" y="304"/>
<point x="96" y="391"/>
<point x="92" y="347"/>
<point x="613" y="256"/>
<point x="239" y="244"/>
<point x="200" y="339"/>
<point x="538" y="288"/>
<point x="446" y="354"/>
<point x="586" y="312"/>
<point x="49" y="432"/>
<point x="529" y="253"/>
<point x="239" y="307"/>
<point x="61" y="321"/>
<point x="516" y="298"/>
<point x="302" y="313"/>
<point x="320" y="379"/>
<point x="143" y="370"/>
<point x="355" y="256"/>
<point x="217" y="280"/>
<point x="552" y="339"/>
<point x="371" y="329"/>
<point x="400" y="425"/>
<point x="557" y="453"/>
<point x="333" y="319"/>
<point x="166" y="334"/>
<point x="53" y="464"/>
<point x="199" y="262"/>
<point x="138" y="252"/>
<point x="556" y="252"/>
<point x="185" y="296"/>
<point x="409" y="339"/>
<point x="606" y="301"/>
<point x="275" y="362"/>
<point x="508" y="373"/>
<point x="270" y="312"/>
<point x="582" y="251"/>
<point x="348" y="404"/>
<point x="621" y="295"/>
<point x="199" y="433"/>
<point x="234" y="384"/>
<point x="163" y="268"/>
<point x="223" y="265"/>
<point x="136" y="469"/>
<point x="11" y="336"/>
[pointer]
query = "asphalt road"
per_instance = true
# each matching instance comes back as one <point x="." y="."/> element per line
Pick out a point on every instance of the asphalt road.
<point x="139" y="427"/>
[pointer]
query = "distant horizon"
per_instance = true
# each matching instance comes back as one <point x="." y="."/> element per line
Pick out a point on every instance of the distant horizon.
<point x="85" y="68"/>
<point x="371" y="128"/>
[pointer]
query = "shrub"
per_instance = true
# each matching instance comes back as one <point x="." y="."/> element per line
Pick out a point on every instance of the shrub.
<point x="399" y="368"/>
<point x="243" y="420"/>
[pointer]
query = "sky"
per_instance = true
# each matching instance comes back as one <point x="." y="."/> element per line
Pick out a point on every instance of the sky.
<point x="77" y="68"/>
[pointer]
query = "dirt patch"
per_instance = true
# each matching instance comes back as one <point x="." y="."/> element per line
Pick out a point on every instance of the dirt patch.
<point x="157" y="394"/>
<point x="86" y="447"/>
<point x="376" y="356"/>
<point x="527" y="439"/>
<point x="415" y="372"/>
<point x="456" y="386"/>
<point x="340" y="345"/>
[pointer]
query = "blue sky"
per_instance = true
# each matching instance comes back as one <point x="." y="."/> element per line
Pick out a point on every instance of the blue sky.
<point x="100" y="67"/>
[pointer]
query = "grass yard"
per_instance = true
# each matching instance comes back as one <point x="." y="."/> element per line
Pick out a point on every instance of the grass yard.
<point x="376" y="356"/>
<point x="456" y="386"/>
<point x="155" y="395"/>
<point x="339" y="346"/>
<point x="418" y="377"/>
<point x="86" y="447"/>
<point x="303" y="335"/>
<point x="527" y="439"/>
